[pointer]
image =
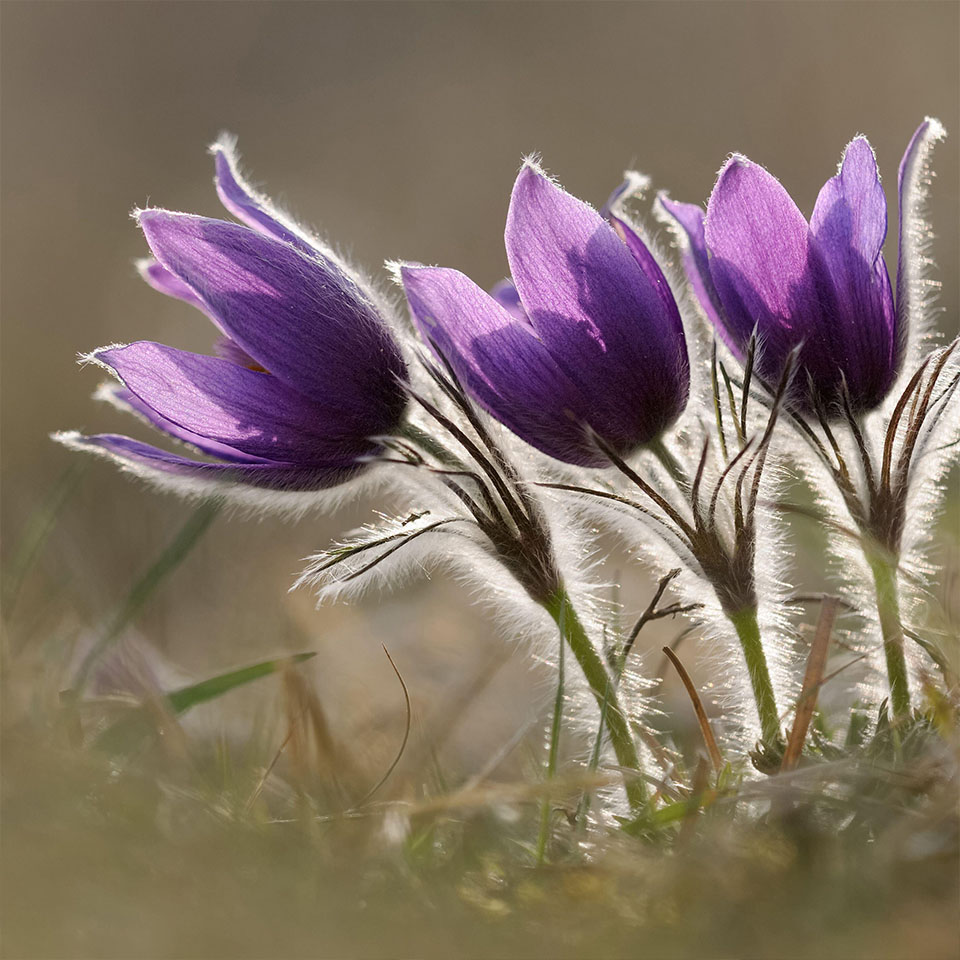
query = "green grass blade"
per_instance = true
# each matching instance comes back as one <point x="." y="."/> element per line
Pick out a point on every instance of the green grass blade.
<point x="583" y="806"/>
<point x="546" y="808"/>
<point x="182" y="700"/>
<point x="125" y="734"/>
<point x="38" y="528"/>
<point x="186" y="539"/>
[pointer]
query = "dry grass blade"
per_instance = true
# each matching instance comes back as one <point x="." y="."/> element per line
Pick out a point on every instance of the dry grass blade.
<point x="812" y="681"/>
<point x="406" y="735"/>
<point x="499" y="756"/>
<point x="262" y="782"/>
<point x="170" y="735"/>
<point x="819" y="598"/>
<point x="647" y="615"/>
<point x="317" y="760"/>
<point x="716" y="757"/>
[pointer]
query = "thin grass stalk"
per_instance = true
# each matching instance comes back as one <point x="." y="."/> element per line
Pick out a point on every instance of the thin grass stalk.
<point x="584" y="806"/>
<point x="546" y="805"/>
<point x="186" y="539"/>
<point x="38" y="528"/>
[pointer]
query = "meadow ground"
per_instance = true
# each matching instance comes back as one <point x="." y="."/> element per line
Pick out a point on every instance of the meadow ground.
<point x="140" y="826"/>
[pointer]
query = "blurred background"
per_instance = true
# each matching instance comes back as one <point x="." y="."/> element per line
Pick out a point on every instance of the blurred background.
<point x="395" y="129"/>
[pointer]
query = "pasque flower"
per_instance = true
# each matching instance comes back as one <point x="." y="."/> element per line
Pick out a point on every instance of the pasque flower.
<point x="755" y="263"/>
<point x="308" y="373"/>
<point x="587" y="341"/>
<point x="309" y="387"/>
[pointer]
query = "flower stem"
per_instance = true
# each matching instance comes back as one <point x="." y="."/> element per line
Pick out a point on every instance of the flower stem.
<point x="748" y="630"/>
<point x="888" y="607"/>
<point x="601" y="683"/>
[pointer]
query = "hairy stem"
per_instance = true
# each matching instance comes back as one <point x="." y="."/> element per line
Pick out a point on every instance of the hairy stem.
<point x="601" y="683"/>
<point x="748" y="630"/>
<point x="669" y="462"/>
<point x="888" y="607"/>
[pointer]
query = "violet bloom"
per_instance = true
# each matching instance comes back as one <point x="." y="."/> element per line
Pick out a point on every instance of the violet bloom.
<point x="308" y="373"/>
<point x="587" y="340"/>
<point x="755" y="262"/>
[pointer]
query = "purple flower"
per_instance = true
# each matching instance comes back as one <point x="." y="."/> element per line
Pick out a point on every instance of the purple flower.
<point x="586" y="340"/>
<point x="308" y="373"/>
<point x="755" y="262"/>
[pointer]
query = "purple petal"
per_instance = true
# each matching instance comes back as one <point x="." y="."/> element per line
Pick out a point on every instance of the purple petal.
<point x="501" y="363"/>
<point x="227" y="349"/>
<point x="613" y="202"/>
<point x="851" y="210"/>
<point x="696" y="264"/>
<point x="650" y="268"/>
<point x="912" y="187"/>
<point x="766" y="271"/>
<point x="124" y="399"/>
<point x="634" y="184"/>
<point x="303" y="319"/>
<point x="141" y="457"/>
<point x="162" y="280"/>
<point x="760" y="246"/>
<point x="601" y="316"/>
<point x="250" y="206"/>
<point x="211" y="398"/>
<point x="849" y="225"/>
<point x="505" y="293"/>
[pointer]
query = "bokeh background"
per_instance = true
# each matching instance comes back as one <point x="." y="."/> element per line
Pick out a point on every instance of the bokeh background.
<point x="396" y="129"/>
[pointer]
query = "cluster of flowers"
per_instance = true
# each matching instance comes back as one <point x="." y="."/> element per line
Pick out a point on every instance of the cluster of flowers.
<point x="584" y="356"/>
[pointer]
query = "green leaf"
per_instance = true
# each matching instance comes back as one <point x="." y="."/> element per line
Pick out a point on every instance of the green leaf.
<point x="36" y="531"/>
<point x="182" y="700"/>
<point x="127" y="733"/>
